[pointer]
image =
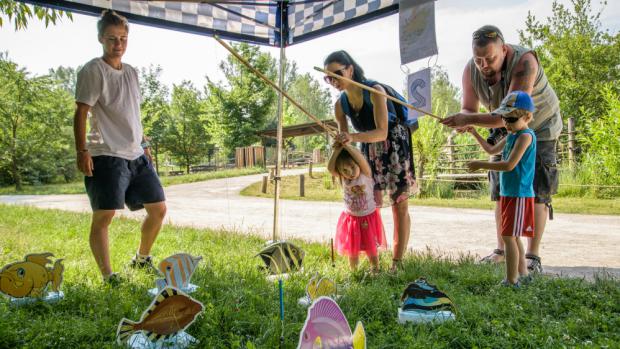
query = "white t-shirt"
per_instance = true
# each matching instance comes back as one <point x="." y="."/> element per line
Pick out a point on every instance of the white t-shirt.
<point x="114" y="97"/>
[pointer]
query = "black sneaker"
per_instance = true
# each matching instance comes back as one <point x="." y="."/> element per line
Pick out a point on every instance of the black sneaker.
<point x="534" y="264"/>
<point x="114" y="280"/>
<point x="506" y="283"/>
<point x="146" y="265"/>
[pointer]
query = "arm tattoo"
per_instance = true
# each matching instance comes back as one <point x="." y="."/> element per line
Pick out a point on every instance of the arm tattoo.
<point x="527" y="70"/>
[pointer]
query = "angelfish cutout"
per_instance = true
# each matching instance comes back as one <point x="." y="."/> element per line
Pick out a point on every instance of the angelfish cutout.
<point x="281" y="257"/>
<point x="32" y="276"/>
<point x="327" y="327"/>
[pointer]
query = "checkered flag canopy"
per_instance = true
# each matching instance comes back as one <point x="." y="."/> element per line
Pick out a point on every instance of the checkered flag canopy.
<point x="241" y="20"/>
<point x="312" y="18"/>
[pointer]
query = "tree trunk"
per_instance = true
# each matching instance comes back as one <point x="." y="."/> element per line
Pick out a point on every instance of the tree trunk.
<point x="14" y="168"/>
<point x="156" y="149"/>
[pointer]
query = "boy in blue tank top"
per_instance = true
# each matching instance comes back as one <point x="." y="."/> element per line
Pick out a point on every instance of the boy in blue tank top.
<point x="516" y="169"/>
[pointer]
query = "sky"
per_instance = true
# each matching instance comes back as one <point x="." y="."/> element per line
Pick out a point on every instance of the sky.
<point x="373" y="45"/>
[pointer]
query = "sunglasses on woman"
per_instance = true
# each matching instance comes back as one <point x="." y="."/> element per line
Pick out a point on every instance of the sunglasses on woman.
<point x="330" y="79"/>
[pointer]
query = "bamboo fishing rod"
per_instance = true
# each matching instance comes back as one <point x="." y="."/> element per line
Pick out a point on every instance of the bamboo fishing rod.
<point x="332" y="132"/>
<point x="367" y="88"/>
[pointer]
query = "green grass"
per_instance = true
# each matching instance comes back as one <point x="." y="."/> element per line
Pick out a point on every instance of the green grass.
<point x="320" y="188"/>
<point x="241" y="307"/>
<point x="78" y="187"/>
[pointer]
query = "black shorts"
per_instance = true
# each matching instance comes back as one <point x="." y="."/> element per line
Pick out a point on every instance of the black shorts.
<point x="546" y="177"/>
<point x="116" y="182"/>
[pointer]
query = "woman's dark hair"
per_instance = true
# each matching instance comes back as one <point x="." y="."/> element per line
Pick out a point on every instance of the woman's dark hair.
<point x="108" y="18"/>
<point x="345" y="59"/>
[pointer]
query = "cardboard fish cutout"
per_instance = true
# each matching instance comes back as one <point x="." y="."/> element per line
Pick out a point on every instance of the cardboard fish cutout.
<point x="31" y="277"/>
<point x="170" y="313"/>
<point x="318" y="287"/>
<point x="281" y="257"/>
<point x="423" y="302"/>
<point x="327" y="327"/>
<point x="177" y="270"/>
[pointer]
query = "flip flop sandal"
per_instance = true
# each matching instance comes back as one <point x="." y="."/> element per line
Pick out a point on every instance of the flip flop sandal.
<point x="534" y="264"/>
<point x="489" y="258"/>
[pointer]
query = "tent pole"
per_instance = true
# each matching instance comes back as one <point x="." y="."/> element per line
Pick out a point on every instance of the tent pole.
<point x="277" y="179"/>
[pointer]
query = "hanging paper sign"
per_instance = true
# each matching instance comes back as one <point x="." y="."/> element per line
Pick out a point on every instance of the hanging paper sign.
<point x="31" y="277"/>
<point x="419" y="92"/>
<point x="417" y="30"/>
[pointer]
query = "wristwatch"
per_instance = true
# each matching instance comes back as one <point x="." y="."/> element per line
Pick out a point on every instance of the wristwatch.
<point x="145" y="144"/>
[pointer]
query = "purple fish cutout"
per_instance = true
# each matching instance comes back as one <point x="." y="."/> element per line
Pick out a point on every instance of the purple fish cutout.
<point x="325" y="320"/>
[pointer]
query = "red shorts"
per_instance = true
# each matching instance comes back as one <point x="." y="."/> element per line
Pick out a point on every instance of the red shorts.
<point x="517" y="216"/>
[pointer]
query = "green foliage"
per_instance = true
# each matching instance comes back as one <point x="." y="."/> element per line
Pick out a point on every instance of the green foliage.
<point x="241" y="306"/>
<point x="241" y="107"/>
<point x="35" y="128"/>
<point x="155" y="109"/>
<point x="578" y="56"/>
<point x="601" y="136"/>
<point x="186" y="136"/>
<point x="20" y="13"/>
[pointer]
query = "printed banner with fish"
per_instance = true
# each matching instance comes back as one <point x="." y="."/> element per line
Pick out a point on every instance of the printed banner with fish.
<point x="419" y="92"/>
<point x="417" y="30"/>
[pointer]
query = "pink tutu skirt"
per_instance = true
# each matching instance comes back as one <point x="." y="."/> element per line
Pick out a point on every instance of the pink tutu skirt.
<point x="360" y="234"/>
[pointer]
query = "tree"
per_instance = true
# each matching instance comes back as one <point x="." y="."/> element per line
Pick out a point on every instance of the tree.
<point x="66" y="78"/>
<point x="186" y="136"/>
<point x="155" y="108"/>
<point x="20" y="13"/>
<point x="35" y="122"/>
<point x="239" y="110"/>
<point x="578" y="56"/>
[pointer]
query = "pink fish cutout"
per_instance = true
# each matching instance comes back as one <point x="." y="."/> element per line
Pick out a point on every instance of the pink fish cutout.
<point x="178" y="270"/>
<point x="327" y="327"/>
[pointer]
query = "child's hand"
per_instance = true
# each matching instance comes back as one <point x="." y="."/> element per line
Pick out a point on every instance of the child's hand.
<point x="469" y="129"/>
<point x="474" y="166"/>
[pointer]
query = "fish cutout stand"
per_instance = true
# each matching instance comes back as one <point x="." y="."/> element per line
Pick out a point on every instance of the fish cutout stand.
<point x="326" y="327"/>
<point x="423" y="302"/>
<point x="316" y="288"/>
<point x="163" y="324"/>
<point x="177" y="271"/>
<point x="281" y="257"/>
<point x="28" y="281"/>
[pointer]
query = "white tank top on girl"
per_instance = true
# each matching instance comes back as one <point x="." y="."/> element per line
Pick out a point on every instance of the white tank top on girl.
<point x="359" y="195"/>
<point x="114" y="97"/>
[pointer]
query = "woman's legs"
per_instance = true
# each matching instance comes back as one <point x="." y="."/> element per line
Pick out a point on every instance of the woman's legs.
<point x="402" y="228"/>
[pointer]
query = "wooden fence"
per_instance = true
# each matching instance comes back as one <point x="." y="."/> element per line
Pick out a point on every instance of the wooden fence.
<point x="249" y="156"/>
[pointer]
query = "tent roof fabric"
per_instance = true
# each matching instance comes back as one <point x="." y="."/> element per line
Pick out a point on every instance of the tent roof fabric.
<point x="258" y="22"/>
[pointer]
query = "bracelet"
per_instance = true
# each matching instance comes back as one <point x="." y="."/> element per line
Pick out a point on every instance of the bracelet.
<point x="145" y="145"/>
<point x="82" y="150"/>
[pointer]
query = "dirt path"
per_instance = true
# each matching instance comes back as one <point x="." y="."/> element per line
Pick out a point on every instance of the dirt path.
<point x="573" y="245"/>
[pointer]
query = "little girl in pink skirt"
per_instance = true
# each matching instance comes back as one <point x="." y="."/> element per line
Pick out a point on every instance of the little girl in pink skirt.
<point x="360" y="228"/>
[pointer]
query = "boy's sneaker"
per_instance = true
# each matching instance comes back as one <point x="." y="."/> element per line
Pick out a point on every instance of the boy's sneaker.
<point x="534" y="264"/>
<point x="526" y="279"/>
<point x="145" y="264"/>
<point x="113" y="280"/>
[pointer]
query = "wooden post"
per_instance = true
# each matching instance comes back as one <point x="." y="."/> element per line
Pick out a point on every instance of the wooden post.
<point x="302" y="183"/>
<point x="310" y="169"/>
<point x="451" y="151"/>
<point x="264" y="187"/>
<point x="571" y="142"/>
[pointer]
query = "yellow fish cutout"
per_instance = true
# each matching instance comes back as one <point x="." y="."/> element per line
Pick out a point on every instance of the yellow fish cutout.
<point x="31" y="277"/>
<point x="320" y="287"/>
<point x="359" y="336"/>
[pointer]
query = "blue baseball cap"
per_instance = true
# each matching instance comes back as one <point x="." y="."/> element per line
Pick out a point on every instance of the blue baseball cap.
<point x="515" y="100"/>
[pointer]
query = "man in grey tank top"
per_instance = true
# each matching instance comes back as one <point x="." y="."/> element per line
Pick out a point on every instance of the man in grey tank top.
<point x="495" y="70"/>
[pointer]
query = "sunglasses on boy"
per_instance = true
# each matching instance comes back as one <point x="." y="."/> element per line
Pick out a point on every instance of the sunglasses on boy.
<point x="510" y="119"/>
<point x="330" y="79"/>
